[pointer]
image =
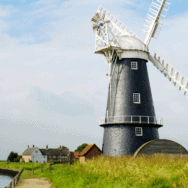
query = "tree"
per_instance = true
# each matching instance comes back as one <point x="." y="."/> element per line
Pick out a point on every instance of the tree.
<point x="12" y="156"/>
<point x="81" y="147"/>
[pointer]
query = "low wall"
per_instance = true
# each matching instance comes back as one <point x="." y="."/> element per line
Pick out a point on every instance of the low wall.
<point x="9" y="172"/>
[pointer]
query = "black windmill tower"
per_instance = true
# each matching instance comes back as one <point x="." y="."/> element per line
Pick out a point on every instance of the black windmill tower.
<point x="130" y="119"/>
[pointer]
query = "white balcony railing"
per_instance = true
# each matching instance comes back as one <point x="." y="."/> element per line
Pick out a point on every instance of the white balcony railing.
<point x="131" y="119"/>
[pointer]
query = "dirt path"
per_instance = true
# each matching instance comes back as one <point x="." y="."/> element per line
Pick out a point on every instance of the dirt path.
<point x="33" y="183"/>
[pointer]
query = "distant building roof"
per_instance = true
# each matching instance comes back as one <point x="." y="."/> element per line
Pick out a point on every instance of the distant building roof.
<point x="60" y="151"/>
<point x="87" y="149"/>
<point x="74" y="155"/>
<point x="29" y="151"/>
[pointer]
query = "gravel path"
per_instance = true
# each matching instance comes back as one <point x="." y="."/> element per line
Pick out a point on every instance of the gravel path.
<point x="33" y="183"/>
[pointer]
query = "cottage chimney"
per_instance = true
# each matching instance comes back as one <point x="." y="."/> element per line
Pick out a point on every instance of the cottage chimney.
<point x="33" y="146"/>
<point x="28" y="146"/>
<point x="46" y="146"/>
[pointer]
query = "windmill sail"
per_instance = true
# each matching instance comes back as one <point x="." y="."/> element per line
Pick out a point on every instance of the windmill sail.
<point x="103" y="19"/>
<point x="171" y="73"/>
<point x="155" y="18"/>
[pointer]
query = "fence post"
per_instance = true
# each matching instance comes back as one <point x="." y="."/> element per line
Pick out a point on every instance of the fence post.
<point x="33" y="171"/>
<point x="16" y="179"/>
<point x="42" y="168"/>
<point x="10" y="184"/>
<point x="13" y="182"/>
<point x="50" y="167"/>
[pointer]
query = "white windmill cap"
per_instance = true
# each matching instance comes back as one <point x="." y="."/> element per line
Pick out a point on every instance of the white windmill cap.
<point x="128" y="42"/>
<point x="132" y="47"/>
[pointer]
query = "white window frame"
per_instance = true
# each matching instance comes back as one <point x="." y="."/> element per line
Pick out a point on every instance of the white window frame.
<point x="138" y="131"/>
<point x="134" y="65"/>
<point x="136" y="95"/>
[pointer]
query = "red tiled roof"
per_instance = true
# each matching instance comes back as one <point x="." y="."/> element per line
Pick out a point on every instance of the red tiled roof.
<point x="86" y="149"/>
<point x="74" y="155"/>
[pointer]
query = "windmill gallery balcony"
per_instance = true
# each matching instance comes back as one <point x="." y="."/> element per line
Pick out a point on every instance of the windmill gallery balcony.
<point x="131" y="120"/>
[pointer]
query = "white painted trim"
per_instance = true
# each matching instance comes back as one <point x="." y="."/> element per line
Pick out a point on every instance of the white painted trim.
<point x="135" y="54"/>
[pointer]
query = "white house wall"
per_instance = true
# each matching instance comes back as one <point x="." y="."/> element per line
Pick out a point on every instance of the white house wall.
<point x="37" y="156"/>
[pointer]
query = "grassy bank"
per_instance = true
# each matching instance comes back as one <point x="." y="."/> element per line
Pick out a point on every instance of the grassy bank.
<point x="112" y="172"/>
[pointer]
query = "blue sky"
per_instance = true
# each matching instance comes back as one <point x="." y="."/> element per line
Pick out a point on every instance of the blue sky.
<point x="53" y="88"/>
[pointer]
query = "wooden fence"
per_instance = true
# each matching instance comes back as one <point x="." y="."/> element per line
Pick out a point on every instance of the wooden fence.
<point x="38" y="167"/>
<point x="15" y="180"/>
<point x="17" y="177"/>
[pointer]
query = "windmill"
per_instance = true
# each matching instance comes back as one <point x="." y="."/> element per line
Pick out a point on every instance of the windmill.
<point x="130" y="119"/>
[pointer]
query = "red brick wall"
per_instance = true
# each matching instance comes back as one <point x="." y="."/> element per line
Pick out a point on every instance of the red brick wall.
<point x="94" y="152"/>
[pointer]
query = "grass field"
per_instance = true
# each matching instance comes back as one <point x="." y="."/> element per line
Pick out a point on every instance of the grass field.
<point x="114" y="172"/>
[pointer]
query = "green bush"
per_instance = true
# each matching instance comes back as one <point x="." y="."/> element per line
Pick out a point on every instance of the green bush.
<point x="81" y="148"/>
<point x="17" y="159"/>
<point x="56" y="162"/>
<point x="73" y="162"/>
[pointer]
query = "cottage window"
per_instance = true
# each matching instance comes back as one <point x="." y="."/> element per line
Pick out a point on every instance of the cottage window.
<point x="136" y="98"/>
<point x="50" y="156"/>
<point x="54" y="156"/>
<point x="138" y="131"/>
<point x="134" y="65"/>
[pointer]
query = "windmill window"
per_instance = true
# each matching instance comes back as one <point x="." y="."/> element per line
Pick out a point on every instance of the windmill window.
<point x="134" y="65"/>
<point x="136" y="98"/>
<point x="138" y="131"/>
<point x="36" y="151"/>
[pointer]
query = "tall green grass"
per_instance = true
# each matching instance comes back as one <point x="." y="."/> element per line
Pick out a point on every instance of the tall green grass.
<point x="114" y="172"/>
